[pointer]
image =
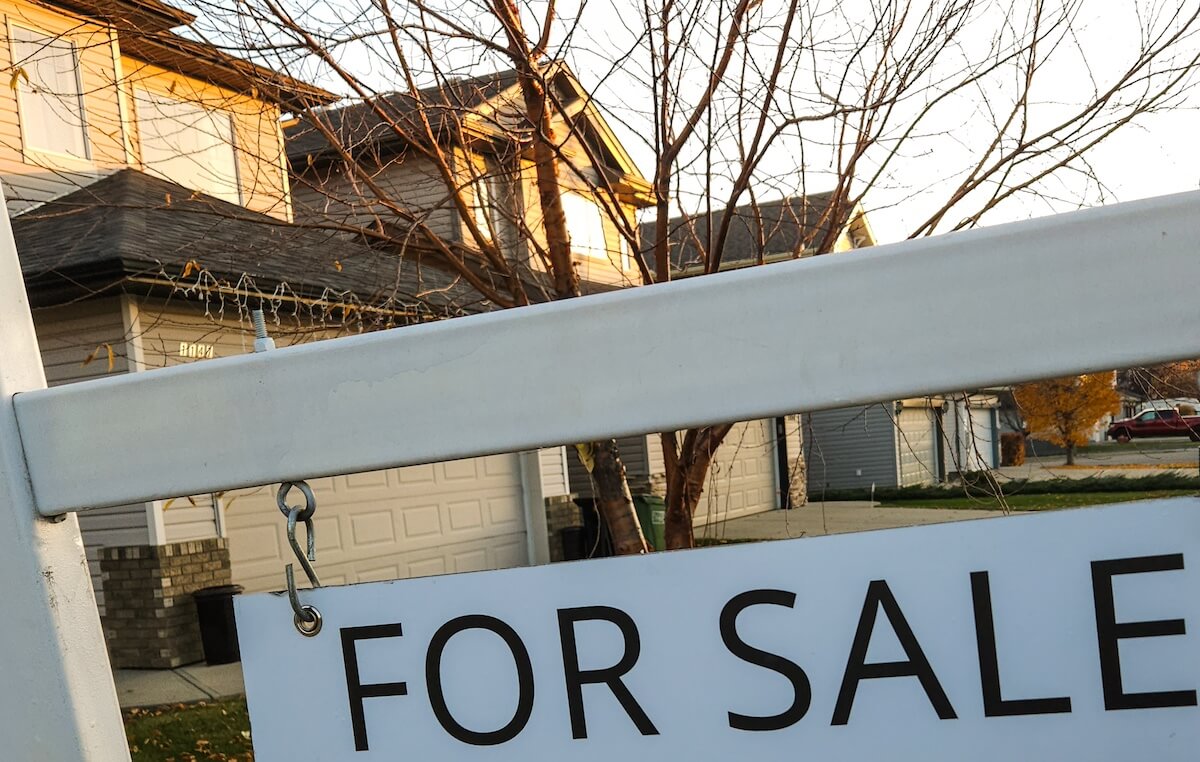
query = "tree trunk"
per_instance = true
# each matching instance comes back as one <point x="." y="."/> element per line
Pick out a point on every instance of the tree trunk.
<point x="1070" y="454"/>
<point x="685" y="482"/>
<point x="614" y="502"/>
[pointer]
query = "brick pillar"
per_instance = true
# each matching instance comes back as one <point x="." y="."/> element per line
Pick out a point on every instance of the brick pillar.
<point x="149" y="615"/>
<point x="560" y="513"/>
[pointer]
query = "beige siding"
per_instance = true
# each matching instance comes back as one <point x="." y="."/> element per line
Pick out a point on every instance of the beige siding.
<point x="552" y="461"/>
<point x="68" y="336"/>
<point x="30" y="177"/>
<point x="190" y="518"/>
<point x="329" y="192"/>
<point x="592" y="270"/>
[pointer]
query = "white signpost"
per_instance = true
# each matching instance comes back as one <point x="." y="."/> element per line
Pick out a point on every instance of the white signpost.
<point x="886" y="635"/>
<point x="1065" y="636"/>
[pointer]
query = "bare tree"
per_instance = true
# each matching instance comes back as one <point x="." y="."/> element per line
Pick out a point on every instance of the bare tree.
<point x="737" y="102"/>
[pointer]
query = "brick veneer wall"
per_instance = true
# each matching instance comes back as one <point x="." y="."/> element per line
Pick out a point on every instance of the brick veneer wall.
<point x="150" y="617"/>
<point x="560" y="513"/>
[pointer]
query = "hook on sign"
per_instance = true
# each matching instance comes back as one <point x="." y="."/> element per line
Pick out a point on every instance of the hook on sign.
<point x="307" y="618"/>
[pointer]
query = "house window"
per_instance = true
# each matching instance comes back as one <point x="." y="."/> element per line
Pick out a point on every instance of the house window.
<point x="188" y="144"/>
<point x="50" y="93"/>
<point x="482" y="206"/>
<point x="585" y="225"/>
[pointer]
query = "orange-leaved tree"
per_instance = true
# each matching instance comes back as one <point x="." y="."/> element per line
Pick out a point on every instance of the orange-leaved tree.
<point x="1064" y="410"/>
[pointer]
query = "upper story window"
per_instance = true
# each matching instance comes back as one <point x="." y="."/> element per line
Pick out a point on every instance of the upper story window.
<point x="50" y="93"/>
<point x="185" y="143"/>
<point x="585" y="225"/>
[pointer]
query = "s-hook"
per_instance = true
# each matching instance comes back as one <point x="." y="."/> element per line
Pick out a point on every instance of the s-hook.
<point x="307" y="618"/>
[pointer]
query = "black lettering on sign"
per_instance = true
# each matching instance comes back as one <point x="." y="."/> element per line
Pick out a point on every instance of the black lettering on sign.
<point x="994" y="704"/>
<point x="1109" y="632"/>
<point x="437" y="698"/>
<point x="610" y="676"/>
<point x="916" y="665"/>
<point x="801" y="688"/>
<point x="354" y="687"/>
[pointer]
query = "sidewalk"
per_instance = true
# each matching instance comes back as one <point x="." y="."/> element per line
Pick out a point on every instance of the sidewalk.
<point x="197" y="682"/>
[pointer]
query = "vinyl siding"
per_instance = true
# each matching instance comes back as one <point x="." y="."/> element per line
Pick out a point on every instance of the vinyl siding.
<point x="634" y="454"/>
<point x="555" y="481"/>
<point x="30" y="177"/>
<point x="592" y="270"/>
<point x="850" y="447"/>
<point x="68" y="335"/>
<point x="331" y="193"/>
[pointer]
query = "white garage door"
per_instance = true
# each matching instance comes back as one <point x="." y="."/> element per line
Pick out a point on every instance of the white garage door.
<point x="981" y="454"/>
<point x="463" y="515"/>
<point x="742" y="478"/>
<point x="916" y="443"/>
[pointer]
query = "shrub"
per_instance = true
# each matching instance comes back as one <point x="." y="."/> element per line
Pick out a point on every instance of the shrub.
<point x="1012" y="448"/>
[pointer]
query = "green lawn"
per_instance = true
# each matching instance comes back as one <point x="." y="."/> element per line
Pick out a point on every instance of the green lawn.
<point x="204" y="732"/>
<point x="1034" y="502"/>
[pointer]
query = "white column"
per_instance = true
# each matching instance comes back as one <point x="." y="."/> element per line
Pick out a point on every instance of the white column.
<point x="57" y="699"/>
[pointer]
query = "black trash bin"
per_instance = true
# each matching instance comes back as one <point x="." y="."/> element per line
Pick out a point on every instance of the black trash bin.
<point x="218" y="630"/>
<point x="574" y="542"/>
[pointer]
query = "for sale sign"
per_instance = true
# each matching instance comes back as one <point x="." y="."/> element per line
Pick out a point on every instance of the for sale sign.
<point x="1061" y="636"/>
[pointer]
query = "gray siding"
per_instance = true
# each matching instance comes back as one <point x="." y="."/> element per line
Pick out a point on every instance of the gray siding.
<point x="331" y="193"/>
<point x="68" y="336"/>
<point x="634" y="454"/>
<point x="850" y="447"/>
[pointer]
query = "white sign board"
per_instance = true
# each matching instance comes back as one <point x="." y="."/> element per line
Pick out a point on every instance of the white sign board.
<point x="1071" y="635"/>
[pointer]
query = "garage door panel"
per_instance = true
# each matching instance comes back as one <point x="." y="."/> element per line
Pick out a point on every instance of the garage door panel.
<point x="742" y="478"/>
<point x="403" y="522"/>
<point x="422" y="521"/>
<point x="917" y="443"/>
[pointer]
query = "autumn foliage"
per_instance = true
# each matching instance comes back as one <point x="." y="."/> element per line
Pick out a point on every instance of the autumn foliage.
<point x="1063" y="410"/>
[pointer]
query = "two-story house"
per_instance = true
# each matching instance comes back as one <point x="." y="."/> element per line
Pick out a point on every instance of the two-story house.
<point x="355" y="165"/>
<point x="149" y="187"/>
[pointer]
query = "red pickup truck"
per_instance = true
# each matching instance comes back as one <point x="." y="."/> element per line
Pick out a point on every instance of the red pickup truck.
<point x="1156" y="423"/>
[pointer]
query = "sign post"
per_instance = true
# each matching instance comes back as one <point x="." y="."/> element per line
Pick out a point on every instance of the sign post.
<point x="58" y="700"/>
<point x="1067" y="635"/>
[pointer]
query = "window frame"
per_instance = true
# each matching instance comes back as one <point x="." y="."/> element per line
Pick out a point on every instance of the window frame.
<point x="48" y="157"/>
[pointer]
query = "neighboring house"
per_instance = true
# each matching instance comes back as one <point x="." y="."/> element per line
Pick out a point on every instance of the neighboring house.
<point x="900" y="444"/>
<point x="762" y="233"/>
<point x="760" y="466"/>
<point x="475" y="121"/>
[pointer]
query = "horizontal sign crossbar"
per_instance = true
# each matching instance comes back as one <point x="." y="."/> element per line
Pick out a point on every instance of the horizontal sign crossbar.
<point x="1092" y="290"/>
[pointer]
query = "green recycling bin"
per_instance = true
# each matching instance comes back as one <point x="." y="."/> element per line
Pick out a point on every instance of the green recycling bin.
<point x="652" y="515"/>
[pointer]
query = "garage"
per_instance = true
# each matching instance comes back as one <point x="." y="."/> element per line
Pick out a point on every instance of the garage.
<point x="742" y="478"/>
<point x="457" y="516"/>
<point x="916" y="444"/>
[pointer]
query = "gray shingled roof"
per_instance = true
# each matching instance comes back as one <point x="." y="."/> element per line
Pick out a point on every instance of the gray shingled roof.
<point x="782" y="226"/>
<point x="359" y="126"/>
<point x="130" y="223"/>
